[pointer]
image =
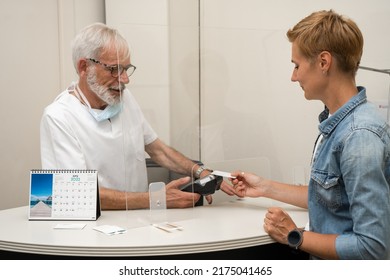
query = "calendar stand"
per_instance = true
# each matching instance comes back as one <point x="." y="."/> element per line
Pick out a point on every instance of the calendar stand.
<point x="64" y="195"/>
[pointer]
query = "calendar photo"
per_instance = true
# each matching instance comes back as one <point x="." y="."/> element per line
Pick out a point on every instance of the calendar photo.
<point x="41" y="195"/>
<point x="64" y="195"/>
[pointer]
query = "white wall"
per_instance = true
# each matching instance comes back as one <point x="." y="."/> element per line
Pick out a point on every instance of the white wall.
<point x="246" y="90"/>
<point x="35" y="67"/>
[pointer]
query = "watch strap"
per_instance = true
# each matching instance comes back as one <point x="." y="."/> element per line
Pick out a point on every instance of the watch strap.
<point x="200" y="170"/>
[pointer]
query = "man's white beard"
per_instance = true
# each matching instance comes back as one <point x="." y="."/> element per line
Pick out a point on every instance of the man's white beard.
<point x="101" y="91"/>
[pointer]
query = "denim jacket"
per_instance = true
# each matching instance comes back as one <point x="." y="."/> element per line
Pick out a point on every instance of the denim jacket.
<point x="349" y="188"/>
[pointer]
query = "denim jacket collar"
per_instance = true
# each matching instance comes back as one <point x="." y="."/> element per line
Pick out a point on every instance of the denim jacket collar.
<point x="327" y="126"/>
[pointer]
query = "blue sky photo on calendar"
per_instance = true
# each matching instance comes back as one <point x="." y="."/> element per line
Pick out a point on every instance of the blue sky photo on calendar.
<point x="41" y="195"/>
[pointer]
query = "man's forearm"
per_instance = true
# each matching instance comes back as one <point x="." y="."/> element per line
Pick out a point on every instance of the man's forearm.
<point x="118" y="200"/>
<point x="171" y="159"/>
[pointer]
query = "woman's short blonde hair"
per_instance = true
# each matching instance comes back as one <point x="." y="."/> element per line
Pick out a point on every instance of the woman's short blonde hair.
<point x="329" y="31"/>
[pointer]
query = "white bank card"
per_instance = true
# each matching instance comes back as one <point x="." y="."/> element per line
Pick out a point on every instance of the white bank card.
<point x="222" y="174"/>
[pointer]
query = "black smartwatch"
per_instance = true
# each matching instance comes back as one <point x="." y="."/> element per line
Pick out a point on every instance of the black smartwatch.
<point x="295" y="238"/>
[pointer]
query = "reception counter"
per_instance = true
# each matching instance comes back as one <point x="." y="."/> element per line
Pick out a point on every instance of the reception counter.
<point x="235" y="224"/>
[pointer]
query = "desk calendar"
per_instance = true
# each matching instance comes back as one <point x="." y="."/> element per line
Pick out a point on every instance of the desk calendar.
<point x="64" y="195"/>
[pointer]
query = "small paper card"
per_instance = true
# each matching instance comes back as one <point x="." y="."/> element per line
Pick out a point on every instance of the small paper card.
<point x="168" y="227"/>
<point x="69" y="226"/>
<point x="110" y="230"/>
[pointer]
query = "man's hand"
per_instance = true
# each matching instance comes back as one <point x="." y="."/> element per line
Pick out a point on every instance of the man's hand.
<point x="177" y="198"/>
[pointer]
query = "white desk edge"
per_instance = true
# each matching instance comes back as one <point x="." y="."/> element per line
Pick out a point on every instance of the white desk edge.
<point x="228" y="225"/>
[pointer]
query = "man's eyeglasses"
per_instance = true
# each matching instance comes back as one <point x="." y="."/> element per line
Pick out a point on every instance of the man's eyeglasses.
<point x="116" y="70"/>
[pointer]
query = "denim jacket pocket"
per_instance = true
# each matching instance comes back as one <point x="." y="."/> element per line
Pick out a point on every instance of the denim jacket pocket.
<point x="327" y="189"/>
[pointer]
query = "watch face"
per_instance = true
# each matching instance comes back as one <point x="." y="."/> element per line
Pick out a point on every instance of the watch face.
<point x="294" y="238"/>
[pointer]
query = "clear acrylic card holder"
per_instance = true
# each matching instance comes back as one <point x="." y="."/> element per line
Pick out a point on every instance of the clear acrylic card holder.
<point x="158" y="205"/>
<point x="159" y="217"/>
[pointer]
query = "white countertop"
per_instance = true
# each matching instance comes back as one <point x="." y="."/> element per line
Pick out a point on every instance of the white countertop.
<point x="233" y="224"/>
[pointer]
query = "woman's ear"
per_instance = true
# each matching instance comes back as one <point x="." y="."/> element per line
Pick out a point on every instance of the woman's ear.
<point x="325" y="59"/>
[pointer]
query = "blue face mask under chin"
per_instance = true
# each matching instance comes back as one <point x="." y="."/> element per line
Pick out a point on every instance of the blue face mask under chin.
<point x="109" y="112"/>
<point x="99" y="115"/>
